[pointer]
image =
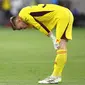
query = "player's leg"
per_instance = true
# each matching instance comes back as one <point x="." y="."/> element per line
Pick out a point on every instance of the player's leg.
<point x="61" y="56"/>
<point x="61" y="53"/>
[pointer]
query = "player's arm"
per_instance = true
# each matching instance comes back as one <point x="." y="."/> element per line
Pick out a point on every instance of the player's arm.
<point x="38" y="25"/>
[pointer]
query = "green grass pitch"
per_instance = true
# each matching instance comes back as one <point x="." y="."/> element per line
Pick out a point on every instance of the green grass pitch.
<point x="27" y="56"/>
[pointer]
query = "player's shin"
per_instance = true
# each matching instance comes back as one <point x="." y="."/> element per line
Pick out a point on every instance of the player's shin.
<point x="60" y="61"/>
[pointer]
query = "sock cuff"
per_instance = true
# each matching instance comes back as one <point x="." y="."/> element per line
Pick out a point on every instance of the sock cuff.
<point x="61" y="51"/>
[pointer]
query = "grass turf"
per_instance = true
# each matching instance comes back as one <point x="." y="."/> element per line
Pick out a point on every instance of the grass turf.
<point x="27" y="56"/>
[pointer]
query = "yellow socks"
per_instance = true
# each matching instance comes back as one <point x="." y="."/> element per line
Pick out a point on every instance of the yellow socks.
<point x="60" y="61"/>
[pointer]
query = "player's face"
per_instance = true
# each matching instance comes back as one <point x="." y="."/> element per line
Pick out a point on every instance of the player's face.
<point x="20" y="25"/>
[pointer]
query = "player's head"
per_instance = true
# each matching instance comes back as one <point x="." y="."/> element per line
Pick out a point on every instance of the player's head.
<point x="17" y="23"/>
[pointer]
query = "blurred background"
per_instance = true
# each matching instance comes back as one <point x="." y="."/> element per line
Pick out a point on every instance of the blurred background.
<point x="12" y="7"/>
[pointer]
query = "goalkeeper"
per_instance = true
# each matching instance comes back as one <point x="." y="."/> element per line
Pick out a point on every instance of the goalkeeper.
<point x="45" y="17"/>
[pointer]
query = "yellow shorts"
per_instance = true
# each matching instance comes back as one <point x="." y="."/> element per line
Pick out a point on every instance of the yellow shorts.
<point x="64" y="26"/>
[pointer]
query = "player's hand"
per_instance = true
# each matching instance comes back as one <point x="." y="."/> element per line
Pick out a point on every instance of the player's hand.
<point x="56" y="45"/>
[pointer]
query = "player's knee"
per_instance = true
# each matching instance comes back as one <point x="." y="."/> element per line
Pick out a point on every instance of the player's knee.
<point x="62" y="44"/>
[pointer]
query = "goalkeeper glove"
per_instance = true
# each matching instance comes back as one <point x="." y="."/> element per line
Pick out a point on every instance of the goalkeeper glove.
<point x="56" y="45"/>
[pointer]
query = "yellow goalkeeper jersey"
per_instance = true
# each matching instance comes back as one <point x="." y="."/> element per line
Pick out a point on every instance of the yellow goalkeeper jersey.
<point x="44" y="17"/>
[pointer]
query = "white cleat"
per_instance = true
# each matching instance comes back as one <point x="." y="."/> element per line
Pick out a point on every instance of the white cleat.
<point x="50" y="80"/>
